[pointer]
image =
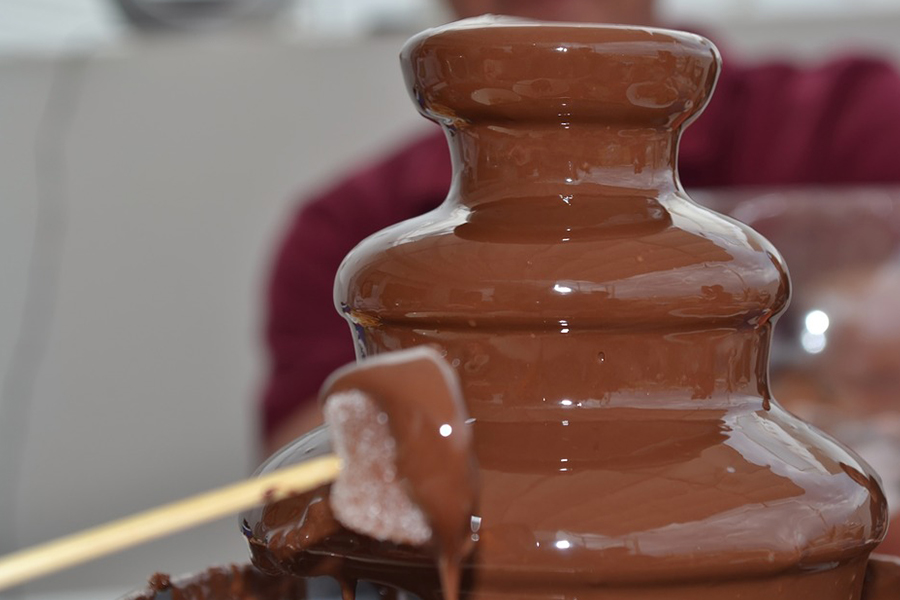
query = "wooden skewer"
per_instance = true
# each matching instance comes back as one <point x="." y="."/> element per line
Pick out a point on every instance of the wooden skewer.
<point x="30" y="563"/>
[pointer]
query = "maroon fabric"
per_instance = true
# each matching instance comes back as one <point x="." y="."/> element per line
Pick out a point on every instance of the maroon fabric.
<point x="766" y="125"/>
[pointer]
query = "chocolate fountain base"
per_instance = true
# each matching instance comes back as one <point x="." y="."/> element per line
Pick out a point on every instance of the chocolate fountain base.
<point x="235" y="582"/>
<point x="882" y="582"/>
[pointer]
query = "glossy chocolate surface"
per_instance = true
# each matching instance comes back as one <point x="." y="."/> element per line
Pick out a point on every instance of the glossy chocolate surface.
<point x="419" y="397"/>
<point x="611" y="337"/>
<point x="882" y="579"/>
<point x="222" y="583"/>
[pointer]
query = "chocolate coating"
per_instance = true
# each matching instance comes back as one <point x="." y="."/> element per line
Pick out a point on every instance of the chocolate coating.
<point x="611" y="338"/>
<point x="420" y="396"/>
<point x="882" y="579"/>
<point x="235" y="582"/>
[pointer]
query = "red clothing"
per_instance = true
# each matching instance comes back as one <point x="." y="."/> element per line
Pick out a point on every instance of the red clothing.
<point x="767" y="125"/>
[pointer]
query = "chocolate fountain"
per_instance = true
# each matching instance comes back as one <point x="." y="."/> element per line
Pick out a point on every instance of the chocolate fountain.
<point x="611" y="337"/>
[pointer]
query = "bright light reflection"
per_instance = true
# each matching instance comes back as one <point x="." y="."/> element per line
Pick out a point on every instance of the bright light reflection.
<point x="816" y="322"/>
<point x="562" y="289"/>
<point x="445" y="430"/>
<point x="566" y="402"/>
<point x="812" y="342"/>
<point x="563" y="544"/>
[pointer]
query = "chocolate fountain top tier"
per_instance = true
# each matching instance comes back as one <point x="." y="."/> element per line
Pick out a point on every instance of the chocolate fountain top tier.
<point x="500" y="69"/>
<point x="565" y="207"/>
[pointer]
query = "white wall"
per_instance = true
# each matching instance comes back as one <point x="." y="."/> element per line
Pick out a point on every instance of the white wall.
<point x="805" y="38"/>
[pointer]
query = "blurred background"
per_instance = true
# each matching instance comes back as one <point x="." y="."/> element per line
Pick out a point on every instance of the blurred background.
<point x="150" y="154"/>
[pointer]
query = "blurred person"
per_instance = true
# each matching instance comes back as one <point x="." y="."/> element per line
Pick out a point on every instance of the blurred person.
<point x="771" y="124"/>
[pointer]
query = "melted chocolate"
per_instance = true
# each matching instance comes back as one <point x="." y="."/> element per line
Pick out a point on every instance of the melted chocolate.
<point x="222" y="583"/>
<point x="420" y="397"/>
<point x="882" y="582"/>
<point x="611" y="338"/>
<point x="882" y="579"/>
<point x="419" y="394"/>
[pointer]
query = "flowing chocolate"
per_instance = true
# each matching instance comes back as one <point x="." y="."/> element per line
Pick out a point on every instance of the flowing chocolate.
<point x="398" y="420"/>
<point x="222" y="583"/>
<point x="882" y="579"/>
<point x="611" y="338"/>
<point x="882" y="582"/>
<point x="423" y="453"/>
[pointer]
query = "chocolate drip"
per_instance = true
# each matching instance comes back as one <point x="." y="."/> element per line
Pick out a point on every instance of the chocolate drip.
<point x="882" y="579"/>
<point x="419" y="394"/>
<point x="348" y="588"/>
<point x="423" y="409"/>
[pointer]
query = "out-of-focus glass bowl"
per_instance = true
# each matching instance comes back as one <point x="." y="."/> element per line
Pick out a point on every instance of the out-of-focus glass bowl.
<point x="836" y="354"/>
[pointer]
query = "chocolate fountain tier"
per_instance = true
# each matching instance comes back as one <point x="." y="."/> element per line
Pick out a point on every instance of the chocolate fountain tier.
<point x="514" y="70"/>
<point x="665" y="494"/>
<point x="610" y="335"/>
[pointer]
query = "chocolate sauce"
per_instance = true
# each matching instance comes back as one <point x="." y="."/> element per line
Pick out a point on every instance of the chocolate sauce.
<point x="160" y="582"/>
<point x="611" y="338"/>
<point x="424" y="412"/>
<point x="418" y="395"/>
<point x="882" y="579"/>
<point x="221" y="583"/>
